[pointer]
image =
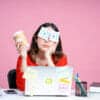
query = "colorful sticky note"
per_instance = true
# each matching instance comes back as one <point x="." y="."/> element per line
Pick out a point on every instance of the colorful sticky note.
<point x="49" y="34"/>
<point x="64" y="80"/>
<point x="48" y="81"/>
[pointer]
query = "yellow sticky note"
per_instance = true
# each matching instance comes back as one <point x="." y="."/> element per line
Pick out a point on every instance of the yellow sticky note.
<point x="48" y="81"/>
<point x="64" y="80"/>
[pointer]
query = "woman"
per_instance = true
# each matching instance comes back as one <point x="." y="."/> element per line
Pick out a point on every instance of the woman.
<point x="45" y="50"/>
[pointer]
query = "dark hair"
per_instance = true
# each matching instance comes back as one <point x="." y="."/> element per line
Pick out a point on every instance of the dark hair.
<point x="33" y="51"/>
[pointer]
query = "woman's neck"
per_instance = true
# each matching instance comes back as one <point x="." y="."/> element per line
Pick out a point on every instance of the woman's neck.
<point x="41" y="55"/>
<point x="41" y="59"/>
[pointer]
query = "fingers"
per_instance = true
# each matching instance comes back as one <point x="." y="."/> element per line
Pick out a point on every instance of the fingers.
<point x="18" y="44"/>
<point x="20" y="47"/>
<point x="52" y="49"/>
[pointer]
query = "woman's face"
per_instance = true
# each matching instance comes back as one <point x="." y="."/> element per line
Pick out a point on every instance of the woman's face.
<point x="45" y="45"/>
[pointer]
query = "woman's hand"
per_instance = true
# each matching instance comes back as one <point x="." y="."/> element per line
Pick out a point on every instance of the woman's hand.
<point x="21" y="48"/>
<point x="50" y="50"/>
<point x="48" y="55"/>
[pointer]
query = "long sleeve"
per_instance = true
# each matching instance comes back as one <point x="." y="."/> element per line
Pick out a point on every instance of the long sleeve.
<point x="62" y="61"/>
<point x="20" y="81"/>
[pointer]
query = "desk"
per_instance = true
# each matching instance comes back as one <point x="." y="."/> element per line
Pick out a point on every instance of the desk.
<point x="20" y="96"/>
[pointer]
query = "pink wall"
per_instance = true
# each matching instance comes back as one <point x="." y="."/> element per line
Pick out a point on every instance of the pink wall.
<point x="78" y="21"/>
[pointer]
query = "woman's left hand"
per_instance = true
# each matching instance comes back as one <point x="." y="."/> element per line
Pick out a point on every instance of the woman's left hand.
<point x="50" y="50"/>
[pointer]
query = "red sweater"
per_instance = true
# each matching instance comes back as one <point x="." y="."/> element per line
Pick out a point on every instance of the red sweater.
<point x="20" y="81"/>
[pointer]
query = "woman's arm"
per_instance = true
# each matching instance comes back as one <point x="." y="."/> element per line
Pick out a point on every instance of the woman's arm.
<point x="23" y="53"/>
<point x="48" y="55"/>
<point x="20" y="81"/>
<point x="49" y="59"/>
<point x="24" y="64"/>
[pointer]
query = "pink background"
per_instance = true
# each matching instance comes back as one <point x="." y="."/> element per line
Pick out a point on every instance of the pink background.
<point x="79" y="24"/>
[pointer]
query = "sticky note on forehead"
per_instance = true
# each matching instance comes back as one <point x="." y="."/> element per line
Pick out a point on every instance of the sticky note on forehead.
<point x="49" y="34"/>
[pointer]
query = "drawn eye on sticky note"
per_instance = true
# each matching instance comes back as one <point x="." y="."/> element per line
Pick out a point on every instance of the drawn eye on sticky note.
<point x="44" y="34"/>
<point x="54" y="36"/>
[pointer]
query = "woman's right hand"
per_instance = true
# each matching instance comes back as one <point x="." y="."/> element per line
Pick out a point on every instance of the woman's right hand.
<point x="21" y="48"/>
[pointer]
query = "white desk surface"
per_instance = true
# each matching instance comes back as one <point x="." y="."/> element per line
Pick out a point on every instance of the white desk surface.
<point x="20" y="96"/>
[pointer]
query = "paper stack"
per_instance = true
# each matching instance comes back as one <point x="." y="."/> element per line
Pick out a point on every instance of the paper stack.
<point x="95" y="87"/>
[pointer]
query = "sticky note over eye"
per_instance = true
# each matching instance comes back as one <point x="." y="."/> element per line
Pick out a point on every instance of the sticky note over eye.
<point x="49" y="35"/>
<point x="43" y="34"/>
<point x="54" y="36"/>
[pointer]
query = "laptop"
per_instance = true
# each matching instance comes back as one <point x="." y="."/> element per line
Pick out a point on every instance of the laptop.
<point x="48" y="81"/>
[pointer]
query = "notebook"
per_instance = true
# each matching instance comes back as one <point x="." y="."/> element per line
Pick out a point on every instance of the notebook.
<point x="48" y="80"/>
<point x="95" y="87"/>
